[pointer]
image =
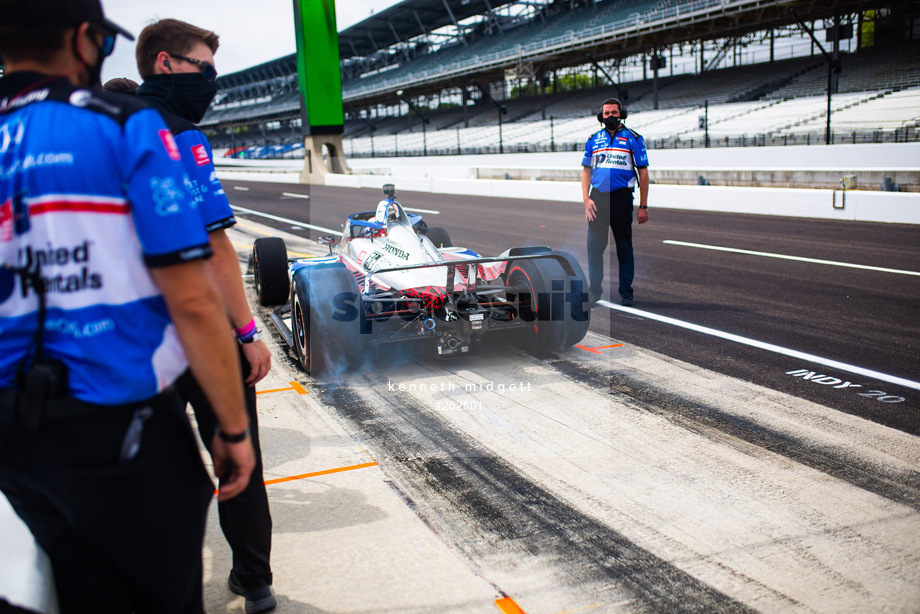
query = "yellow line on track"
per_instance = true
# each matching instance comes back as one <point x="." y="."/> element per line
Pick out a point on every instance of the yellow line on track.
<point x="253" y="229"/>
<point x="290" y="252"/>
<point x="267" y="234"/>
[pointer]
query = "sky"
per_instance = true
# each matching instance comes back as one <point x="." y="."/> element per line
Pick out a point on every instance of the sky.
<point x="251" y="31"/>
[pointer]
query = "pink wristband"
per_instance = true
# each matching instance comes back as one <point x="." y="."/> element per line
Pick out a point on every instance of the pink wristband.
<point x="246" y="330"/>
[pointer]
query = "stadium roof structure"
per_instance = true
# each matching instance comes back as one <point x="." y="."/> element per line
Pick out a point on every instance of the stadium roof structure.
<point x="603" y="30"/>
<point x="263" y="92"/>
<point x="565" y="33"/>
<point x="280" y="68"/>
<point x="396" y="25"/>
<point x="407" y="20"/>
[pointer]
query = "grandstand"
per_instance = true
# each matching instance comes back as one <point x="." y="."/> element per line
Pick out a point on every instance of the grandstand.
<point x="428" y="77"/>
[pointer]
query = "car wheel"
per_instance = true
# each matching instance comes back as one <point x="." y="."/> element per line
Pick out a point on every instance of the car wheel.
<point x="270" y="266"/>
<point x="439" y="237"/>
<point x="545" y="293"/>
<point x="300" y="328"/>
<point x="326" y="321"/>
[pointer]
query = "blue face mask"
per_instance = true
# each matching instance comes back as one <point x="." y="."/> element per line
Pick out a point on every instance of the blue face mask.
<point x="187" y="95"/>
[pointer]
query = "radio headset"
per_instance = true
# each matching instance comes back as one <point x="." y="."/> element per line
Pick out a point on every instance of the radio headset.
<point x="623" y="114"/>
<point x="600" y="110"/>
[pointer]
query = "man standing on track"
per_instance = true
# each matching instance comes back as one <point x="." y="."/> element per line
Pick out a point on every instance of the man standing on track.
<point x="176" y="60"/>
<point x="101" y="280"/>
<point x="614" y="159"/>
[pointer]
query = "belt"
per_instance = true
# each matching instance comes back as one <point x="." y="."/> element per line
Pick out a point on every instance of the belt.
<point x="68" y="407"/>
<point x="593" y="189"/>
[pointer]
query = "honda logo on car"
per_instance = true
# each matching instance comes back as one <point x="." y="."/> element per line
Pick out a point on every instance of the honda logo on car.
<point x="399" y="253"/>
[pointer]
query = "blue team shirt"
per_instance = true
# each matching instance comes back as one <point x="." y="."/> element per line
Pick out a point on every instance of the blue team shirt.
<point x="91" y="188"/>
<point x="202" y="184"/>
<point x="614" y="159"/>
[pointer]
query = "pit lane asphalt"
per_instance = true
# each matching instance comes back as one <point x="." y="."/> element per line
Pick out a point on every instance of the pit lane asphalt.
<point x="865" y="318"/>
<point x="610" y="479"/>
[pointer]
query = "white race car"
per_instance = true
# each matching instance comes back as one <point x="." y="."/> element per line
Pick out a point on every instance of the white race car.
<point x="391" y="279"/>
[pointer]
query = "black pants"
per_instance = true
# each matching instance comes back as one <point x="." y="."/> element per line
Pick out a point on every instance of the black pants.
<point x="245" y="519"/>
<point x="614" y="211"/>
<point x="122" y="536"/>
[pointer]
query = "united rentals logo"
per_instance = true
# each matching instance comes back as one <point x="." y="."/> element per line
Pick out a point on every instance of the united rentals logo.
<point x="32" y="257"/>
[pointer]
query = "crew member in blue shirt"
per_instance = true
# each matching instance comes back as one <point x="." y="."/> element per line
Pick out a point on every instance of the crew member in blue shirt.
<point x="104" y="302"/>
<point x="176" y="60"/>
<point x="615" y="161"/>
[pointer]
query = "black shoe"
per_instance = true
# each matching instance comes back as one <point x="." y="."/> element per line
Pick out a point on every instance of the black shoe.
<point x="627" y="301"/>
<point x="257" y="599"/>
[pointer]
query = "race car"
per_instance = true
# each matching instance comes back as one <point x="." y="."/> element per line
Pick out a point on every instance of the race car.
<point x="392" y="280"/>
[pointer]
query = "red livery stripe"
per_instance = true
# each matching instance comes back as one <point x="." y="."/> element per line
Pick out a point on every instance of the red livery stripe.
<point x="611" y="149"/>
<point x="79" y="207"/>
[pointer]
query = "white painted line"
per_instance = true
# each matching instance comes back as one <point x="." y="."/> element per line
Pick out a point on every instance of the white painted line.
<point x="287" y="221"/>
<point x="799" y="258"/>
<point x="241" y="188"/>
<point x="422" y="210"/>
<point x="827" y="362"/>
<point x="293" y="195"/>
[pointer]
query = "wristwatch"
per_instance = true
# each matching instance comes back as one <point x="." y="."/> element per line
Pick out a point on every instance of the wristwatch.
<point x="643" y="206"/>
<point x="233" y="438"/>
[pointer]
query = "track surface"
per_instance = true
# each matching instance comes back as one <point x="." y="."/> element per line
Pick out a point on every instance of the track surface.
<point x="865" y="318"/>
<point x="630" y="480"/>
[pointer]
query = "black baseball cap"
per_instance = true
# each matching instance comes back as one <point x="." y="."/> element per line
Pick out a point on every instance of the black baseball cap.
<point x="57" y="13"/>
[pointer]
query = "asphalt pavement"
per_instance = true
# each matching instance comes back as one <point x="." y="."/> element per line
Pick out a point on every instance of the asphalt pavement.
<point x="665" y="464"/>
<point x="608" y="478"/>
<point x="832" y="300"/>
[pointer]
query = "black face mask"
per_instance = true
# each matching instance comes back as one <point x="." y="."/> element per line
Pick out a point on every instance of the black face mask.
<point x="94" y="72"/>
<point x="187" y="95"/>
<point x="612" y="123"/>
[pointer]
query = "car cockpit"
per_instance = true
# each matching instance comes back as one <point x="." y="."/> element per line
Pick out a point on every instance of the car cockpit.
<point x="378" y="223"/>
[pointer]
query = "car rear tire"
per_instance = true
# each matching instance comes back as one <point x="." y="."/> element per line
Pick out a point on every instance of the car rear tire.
<point x="557" y="323"/>
<point x="270" y="267"/>
<point x="326" y="321"/>
<point x="439" y="237"/>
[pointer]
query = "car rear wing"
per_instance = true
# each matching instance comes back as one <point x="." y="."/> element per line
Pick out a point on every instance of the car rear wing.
<point x="471" y="282"/>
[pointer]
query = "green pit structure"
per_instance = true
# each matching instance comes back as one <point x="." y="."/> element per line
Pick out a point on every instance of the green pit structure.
<point x="320" y="79"/>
